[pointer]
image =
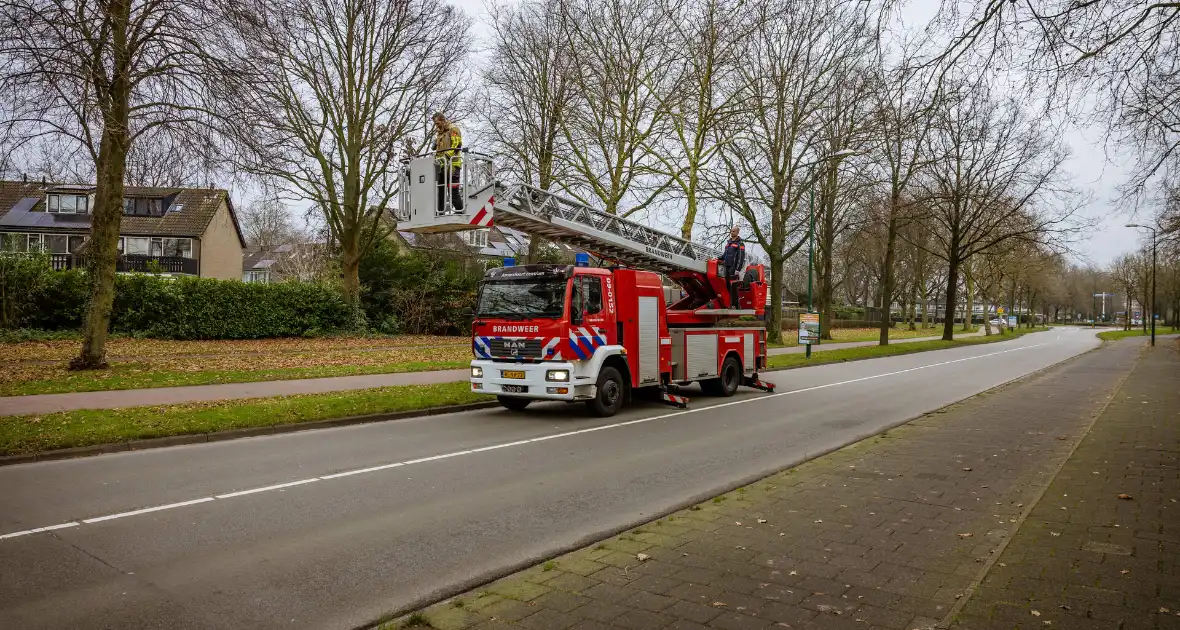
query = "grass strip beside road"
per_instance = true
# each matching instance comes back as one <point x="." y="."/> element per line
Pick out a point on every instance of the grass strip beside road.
<point x="146" y="376"/>
<point x="787" y="361"/>
<point x="31" y="434"/>
<point x="1111" y="335"/>
<point x="848" y="335"/>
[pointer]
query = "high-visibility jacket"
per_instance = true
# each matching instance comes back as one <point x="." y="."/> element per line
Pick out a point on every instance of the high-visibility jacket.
<point x="734" y="257"/>
<point x="447" y="143"/>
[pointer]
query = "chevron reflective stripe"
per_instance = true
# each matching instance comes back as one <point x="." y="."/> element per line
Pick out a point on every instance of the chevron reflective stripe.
<point x="480" y="347"/>
<point x="550" y="348"/>
<point x="576" y="347"/>
<point x="484" y="217"/>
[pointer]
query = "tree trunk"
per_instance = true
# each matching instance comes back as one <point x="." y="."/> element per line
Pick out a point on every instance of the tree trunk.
<point x="913" y="302"/>
<point x="774" y="327"/>
<point x="887" y="269"/>
<point x="535" y="245"/>
<point x="969" y="314"/>
<point x="690" y="217"/>
<point x="952" y="298"/>
<point x="102" y="248"/>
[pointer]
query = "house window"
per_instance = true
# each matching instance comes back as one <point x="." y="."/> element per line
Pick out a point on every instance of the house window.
<point x="175" y="247"/>
<point x="475" y="238"/>
<point x="68" y="204"/>
<point x="258" y="275"/>
<point x="57" y="243"/>
<point x="143" y="207"/>
<point x="35" y="243"/>
<point x="12" y="242"/>
<point x="136" y="246"/>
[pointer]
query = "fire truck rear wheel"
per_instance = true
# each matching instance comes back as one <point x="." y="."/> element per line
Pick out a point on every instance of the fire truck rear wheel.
<point x="609" y="395"/>
<point x="725" y="385"/>
<point x="513" y="403"/>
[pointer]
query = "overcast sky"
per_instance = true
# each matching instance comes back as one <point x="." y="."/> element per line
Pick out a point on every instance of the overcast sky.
<point x="1088" y="166"/>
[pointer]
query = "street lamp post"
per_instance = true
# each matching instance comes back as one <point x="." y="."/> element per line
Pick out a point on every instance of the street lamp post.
<point x="838" y="155"/>
<point x="1154" y="234"/>
<point x="810" y="250"/>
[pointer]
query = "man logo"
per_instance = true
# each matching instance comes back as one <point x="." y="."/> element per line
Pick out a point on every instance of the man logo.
<point x="516" y="346"/>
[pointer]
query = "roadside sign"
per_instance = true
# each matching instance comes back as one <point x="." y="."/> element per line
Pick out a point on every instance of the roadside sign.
<point x="808" y="329"/>
<point x="1011" y="321"/>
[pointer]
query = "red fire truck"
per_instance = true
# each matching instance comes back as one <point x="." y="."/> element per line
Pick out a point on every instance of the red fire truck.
<point x="596" y="334"/>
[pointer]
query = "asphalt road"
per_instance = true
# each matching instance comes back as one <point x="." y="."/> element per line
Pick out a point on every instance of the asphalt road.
<point x="390" y="514"/>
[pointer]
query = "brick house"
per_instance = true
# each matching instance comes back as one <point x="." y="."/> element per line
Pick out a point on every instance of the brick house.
<point x="179" y="231"/>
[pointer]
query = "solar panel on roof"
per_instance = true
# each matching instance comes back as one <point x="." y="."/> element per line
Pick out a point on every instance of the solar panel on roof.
<point x="19" y="211"/>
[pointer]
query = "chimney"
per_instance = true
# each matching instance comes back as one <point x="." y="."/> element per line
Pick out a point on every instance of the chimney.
<point x="24" y="178"/>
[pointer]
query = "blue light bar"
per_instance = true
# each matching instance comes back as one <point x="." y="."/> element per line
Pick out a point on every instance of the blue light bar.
<point x="582" y="259"/>
<point x="509" y="262"/>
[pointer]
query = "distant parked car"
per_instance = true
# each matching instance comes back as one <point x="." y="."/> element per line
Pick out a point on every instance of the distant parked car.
<point x="997" y="322"/>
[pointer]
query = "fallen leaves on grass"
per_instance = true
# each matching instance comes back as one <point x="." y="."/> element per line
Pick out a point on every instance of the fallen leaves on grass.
<point x="63" y="350"/>
<point x="193" y="370"/>
<point x="966" y="535"/>
<point x="1126" y="497"/>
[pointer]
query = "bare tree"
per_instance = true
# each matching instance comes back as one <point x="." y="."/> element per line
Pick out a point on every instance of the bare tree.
<point x="266" y="223"/>
<point x="996" y="180"/>
<point x="844" y="123"/>
<point x="703" y="98"/>
<point x="621" y="55"/>
<point x="102" y="74"/>
<point x="529" y="78"/>
<point x="906" y="98"/>
<point x="321" y="93"/>
<point x="792" y="65"/>
<point x="1115" y="58"/>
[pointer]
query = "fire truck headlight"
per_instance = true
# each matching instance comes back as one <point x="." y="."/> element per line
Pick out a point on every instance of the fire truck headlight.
<point x="557" y="375"/>
<point x="476" y="372"/>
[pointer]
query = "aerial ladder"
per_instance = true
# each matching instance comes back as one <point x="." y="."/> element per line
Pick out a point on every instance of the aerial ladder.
<point x="605" y="331"/>
<point x="425" y="207"/>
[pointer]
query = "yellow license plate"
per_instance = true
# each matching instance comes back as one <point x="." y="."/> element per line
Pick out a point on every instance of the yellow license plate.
<point x="512" y="373"/>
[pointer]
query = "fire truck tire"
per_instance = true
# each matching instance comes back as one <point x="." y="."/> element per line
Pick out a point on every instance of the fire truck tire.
<point x="610" y="393"/>
<point x="725" y="385"/>
<point x="513" y="403"/>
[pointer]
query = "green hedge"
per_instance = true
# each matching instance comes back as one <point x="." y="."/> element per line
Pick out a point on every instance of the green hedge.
<point x="189" y="308"/>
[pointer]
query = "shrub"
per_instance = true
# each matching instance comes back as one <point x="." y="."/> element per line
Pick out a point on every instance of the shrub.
<point x="189" y="308"/>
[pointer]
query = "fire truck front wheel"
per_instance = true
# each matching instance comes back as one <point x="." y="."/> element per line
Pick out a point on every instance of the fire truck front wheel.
<point x="609" y="395"/>
<point x="513" y="403"/>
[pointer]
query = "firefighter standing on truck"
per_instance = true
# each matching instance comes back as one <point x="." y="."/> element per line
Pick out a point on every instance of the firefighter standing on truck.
<point x="447" y="142"/>
<point x="734" y="260"/>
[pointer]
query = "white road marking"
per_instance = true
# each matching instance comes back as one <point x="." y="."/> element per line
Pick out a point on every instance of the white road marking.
<point x="544" y="438"/>
<point x="39" y="530"/>
<point x="266" y="488"/>
<point x="157" y="508"/>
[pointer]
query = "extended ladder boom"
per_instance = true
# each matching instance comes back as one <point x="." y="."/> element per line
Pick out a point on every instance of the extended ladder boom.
<point x="535" y="211"/>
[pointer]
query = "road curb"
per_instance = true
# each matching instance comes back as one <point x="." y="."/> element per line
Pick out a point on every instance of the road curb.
<point x="233" y="434"/>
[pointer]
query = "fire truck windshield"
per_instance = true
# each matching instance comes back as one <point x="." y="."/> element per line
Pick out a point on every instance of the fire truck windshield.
<point x="522" y="299"/>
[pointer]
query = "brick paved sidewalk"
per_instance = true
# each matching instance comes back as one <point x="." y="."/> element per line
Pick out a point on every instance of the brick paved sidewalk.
<point x="1086" y="558"/>
<point x="889" y="533"/>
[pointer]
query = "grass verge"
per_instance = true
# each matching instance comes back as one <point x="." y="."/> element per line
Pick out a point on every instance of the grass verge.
<point x="847" y="335"/>
<point x="30" y="434"/>
<point x="145" y="375"/>
<point x="783" y="361"/>
<point x="1111" y="335"/>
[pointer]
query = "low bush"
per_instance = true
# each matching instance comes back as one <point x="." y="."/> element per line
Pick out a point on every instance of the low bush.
<point x="188" y="308"/>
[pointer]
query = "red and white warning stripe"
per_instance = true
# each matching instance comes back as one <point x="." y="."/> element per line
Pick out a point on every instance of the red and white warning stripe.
<point x="483" y="218"/>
